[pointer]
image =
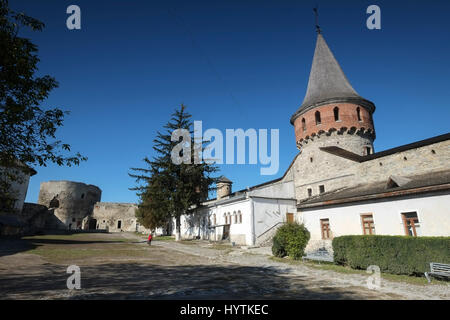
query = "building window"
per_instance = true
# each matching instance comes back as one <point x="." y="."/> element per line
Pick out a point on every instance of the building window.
<point x="358" y="113"/>
<point x="82" y="196"/>
<point x="367" y="224"/>
<point x="321" y="189"/>
<point x="240" y="216"/>
<point x="310" y="159"/>
<point x="214" y="219"/>
<point x="235" y="217"/>
<point x="304" y="124"/>
<point x="309" y="192"/>
<point x="325" y="226"/>
<point x="368" y="150"/>
<point x="318" y="121"/>
<point x="336" y="114"/>
<point x="119" y="224"/>
<point x="411" y="224"/>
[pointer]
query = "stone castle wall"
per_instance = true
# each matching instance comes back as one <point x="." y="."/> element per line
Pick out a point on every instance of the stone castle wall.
<point x="116" y="217"/>
<point x="70" y="201"/>
<point x="314" y="167"/>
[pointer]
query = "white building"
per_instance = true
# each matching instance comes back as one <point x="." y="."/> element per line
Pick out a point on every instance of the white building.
<point x="18" y="186"/>
<point x="247" y="217"/>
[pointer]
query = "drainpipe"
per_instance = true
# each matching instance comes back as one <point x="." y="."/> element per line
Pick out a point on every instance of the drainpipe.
<point x="253" y="235"/>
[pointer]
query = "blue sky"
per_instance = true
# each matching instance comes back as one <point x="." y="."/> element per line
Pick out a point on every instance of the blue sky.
<point x="235" y="64"/>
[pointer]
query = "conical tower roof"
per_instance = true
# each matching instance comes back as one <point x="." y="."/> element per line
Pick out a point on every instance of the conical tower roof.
<point x="328" y="83"/>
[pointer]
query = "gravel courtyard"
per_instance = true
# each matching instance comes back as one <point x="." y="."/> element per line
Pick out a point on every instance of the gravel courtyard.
<point x="123" y="266"/>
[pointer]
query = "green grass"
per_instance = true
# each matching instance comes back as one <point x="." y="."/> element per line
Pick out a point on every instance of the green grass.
<point x="82" y="246"/>
<point x="56" y="255"/>
<point x="347" y="270"/>
<point x="164" y="238"/>
<point x="75" y="237"/>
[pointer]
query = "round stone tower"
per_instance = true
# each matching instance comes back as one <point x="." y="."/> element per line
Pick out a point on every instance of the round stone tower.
<point x="332" y="113"/>
<point x="223" y="187"/>
<point x="70" y="201"/>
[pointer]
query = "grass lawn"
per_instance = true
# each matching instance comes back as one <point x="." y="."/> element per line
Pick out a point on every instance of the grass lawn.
<point x="342" y="269"/>
<point x="164" y="238"/>
<point x="63" y="249"/>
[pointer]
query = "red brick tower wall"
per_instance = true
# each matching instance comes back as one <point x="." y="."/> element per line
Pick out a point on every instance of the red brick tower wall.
<point x="348" y="121"/>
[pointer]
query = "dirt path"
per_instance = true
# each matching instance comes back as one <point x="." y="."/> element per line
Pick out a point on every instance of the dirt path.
<point x="123" y="266"/>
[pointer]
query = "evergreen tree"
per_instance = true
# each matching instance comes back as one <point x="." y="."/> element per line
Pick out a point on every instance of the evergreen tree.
<point x="168" y="190"/>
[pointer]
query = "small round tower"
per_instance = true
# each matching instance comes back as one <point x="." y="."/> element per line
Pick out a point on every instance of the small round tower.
<point x="223" y="187"/>
<point x="332" y="112"/>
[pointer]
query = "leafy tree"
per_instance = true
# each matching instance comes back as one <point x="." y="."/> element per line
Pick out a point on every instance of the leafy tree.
<point x="27" y="131"/>
<point x="169" y="190"/>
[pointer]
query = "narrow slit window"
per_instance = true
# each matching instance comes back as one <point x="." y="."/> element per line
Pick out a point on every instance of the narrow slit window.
<point x="318" y="120"/>
<point x="336" y="114"/>
<point x="304" y="124"/>
<point x="358" y="113"/>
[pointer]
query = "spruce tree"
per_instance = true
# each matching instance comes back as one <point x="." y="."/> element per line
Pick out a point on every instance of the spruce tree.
<point x="168" y="190"/>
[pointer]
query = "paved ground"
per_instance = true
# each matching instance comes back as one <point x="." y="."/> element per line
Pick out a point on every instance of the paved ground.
<point x="123" y="266"/>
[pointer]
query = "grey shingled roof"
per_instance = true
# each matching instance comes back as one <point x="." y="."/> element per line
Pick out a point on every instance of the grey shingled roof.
<point x="382" y="188"/>
<point x="328" y="83"/>
<point x="224" y="179"/>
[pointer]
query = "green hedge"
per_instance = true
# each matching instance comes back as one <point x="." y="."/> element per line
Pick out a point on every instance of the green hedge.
<point x="290" y="240"/>
<point x="393" y="254"/>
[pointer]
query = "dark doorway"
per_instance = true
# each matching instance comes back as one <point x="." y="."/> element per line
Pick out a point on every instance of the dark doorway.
<point x="119" y="224"/>
<point x="92" y="224"/>
<point x="226" y="232"/>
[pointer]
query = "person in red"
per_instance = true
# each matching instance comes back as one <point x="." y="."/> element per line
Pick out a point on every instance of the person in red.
<point x="149" y="240"/>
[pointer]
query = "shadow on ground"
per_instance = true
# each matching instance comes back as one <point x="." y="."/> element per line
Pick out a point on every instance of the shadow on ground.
<point x="143" y="281"/>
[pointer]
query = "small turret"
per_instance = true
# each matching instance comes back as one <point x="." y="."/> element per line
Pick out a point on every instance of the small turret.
<point x="223" y="187"/>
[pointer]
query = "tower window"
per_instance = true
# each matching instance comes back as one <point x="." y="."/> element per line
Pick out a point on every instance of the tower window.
<point x="82" y="196"/>
<point x="358" y="113"/>
<point x="309" y="192"/>
<point x="304" y="124"/>
<point x="368" y="150"/>
<point x="318" y="121"/>
<point x="311" y="159"/>
<point x="321" y="189"/>
<point x="336" y="114"/>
